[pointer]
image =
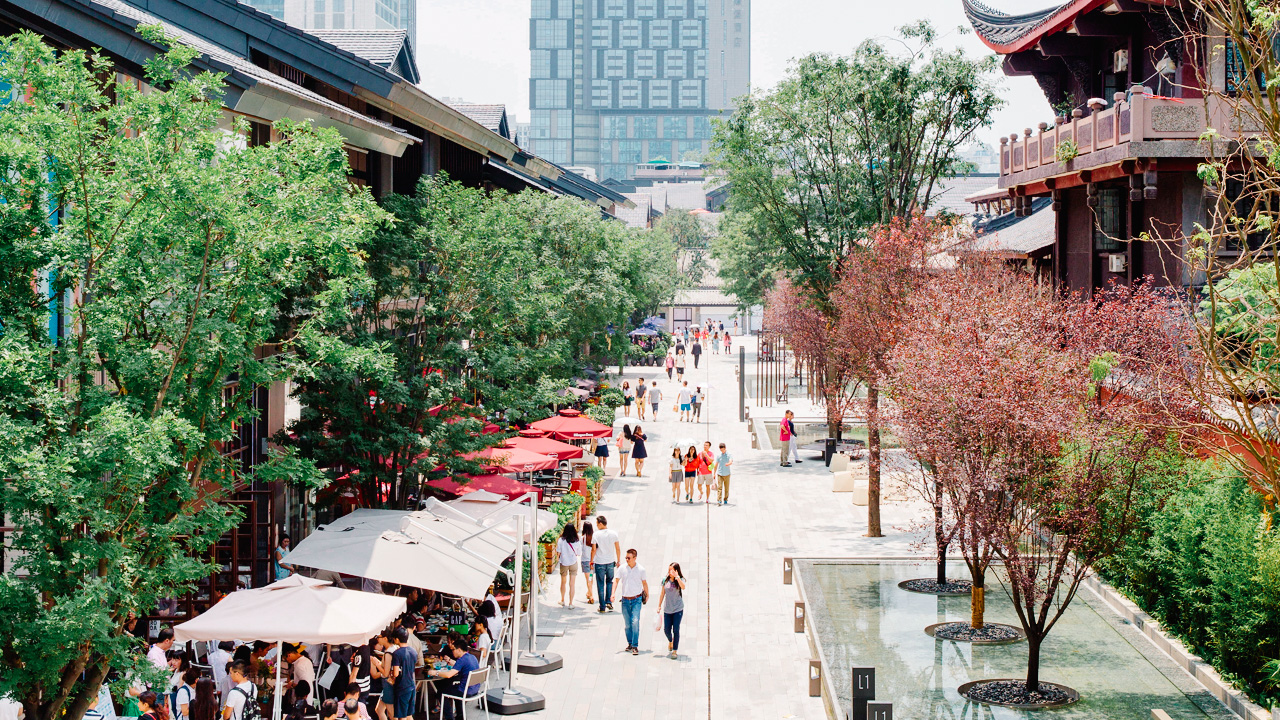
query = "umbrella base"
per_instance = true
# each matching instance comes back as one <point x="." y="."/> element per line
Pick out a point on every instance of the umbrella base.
<point x="514" y="702"/>
<point x="536" y="664"/>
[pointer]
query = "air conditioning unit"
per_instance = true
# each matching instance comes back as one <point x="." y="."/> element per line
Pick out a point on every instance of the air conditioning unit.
<point x="1115" y="263"/>
<point x="1120" y="61"/>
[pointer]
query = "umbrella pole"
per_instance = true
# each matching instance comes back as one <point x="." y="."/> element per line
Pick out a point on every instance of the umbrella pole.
<point x="279" y="696"/>
<point x="533" y="574"/>
<point x="517" y="593"/>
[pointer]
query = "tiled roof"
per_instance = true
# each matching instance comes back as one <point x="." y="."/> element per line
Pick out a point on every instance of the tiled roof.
<point x="638" y="216"/>
<point x="380" y="47"/>
<point x="951" y="193"/>
<point x="1010" y="235"/>
<point x="1007" y="33"/>
<point x="244" y="66"/>
<point x="704" y="297"/>
<point x="489" y="116"/>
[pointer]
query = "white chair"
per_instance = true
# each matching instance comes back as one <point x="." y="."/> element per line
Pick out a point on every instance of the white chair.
<point x="496" y="657"/>
<point x="475" y="677"/>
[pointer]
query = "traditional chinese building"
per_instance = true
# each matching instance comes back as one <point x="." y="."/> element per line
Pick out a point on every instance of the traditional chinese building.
<point x="1132" y="97"/>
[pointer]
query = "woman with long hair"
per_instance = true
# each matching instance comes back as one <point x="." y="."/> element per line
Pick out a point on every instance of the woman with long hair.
<point x="671" y="607"/>
<point x="638" y="450"/>
<point x="677" y="473"/>
<point x="152" y="707"/>
<point x="568" y="554"/>
<point x="628" y="397"/>
<point x="380" y="671"/>
<point x="690" y="472"/>
<point x="588" y="570"/>
<point x="204" y="706"/>
<point x="625" y="442"/>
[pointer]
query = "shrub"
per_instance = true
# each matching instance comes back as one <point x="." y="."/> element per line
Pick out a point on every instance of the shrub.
<point x="1208" y="568"/>
<point x="566" y="510"/>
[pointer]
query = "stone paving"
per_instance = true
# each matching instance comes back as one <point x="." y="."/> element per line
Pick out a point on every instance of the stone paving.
<point x="739" y="656"/>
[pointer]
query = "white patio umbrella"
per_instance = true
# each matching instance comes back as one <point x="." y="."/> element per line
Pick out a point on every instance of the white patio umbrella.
<point x="492" y="508"/>
<point x="420" y="549"/>
<point x="295" y="609"/>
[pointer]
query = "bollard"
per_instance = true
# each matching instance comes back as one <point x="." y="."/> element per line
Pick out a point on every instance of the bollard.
<point x="864" y="691"/>
<point x="879" y="711"/>
<point x="815" y="678"/>
<point x="799" y="617"/>
<point x="786" y="571"/>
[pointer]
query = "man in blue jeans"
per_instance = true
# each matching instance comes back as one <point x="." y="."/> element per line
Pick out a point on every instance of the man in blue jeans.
<point x="633" y="585"/>
<point x="604" y="558"/>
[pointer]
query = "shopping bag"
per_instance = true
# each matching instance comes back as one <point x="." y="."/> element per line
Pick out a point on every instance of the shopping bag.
<point x="657" y="623"/>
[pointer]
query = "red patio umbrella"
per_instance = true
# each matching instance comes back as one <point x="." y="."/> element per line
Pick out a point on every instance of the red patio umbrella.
<point x="509" y="488"/>
<point x="546" y="446"/>
<point x="571" y="425"/>
<point x="512" y="460"/>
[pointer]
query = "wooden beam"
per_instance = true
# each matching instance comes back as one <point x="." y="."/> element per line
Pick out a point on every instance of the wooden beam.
<point x="1064" y="45"/>
<point x="1029" y="62"/>
<point x="1104" y="26"/>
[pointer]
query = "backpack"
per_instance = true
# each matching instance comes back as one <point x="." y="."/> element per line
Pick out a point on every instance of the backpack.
<point x="251" y="711"/>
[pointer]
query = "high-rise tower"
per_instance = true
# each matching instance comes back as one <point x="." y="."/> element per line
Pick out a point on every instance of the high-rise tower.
<point x="344" y="14"/>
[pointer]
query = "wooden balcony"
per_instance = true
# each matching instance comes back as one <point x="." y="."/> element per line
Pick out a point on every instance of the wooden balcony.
<point x="1137" y="124"/>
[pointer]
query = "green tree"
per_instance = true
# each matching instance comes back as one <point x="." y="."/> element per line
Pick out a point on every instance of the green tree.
<point x="845" y="143"/>
<point x="747" y="262"/>
<point x="692" y="244"/>
<point x="173" y="246"/>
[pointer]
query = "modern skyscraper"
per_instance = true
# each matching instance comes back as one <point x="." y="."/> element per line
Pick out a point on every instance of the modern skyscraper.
<point x="620" y="82"/>
<point x="344" y="14"/>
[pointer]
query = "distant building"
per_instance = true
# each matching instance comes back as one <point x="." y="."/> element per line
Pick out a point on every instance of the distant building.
<point x="983" y="157"/>
<point x="616" y="83"/>
<point x="521" y="131"/>
<point x="344" y="14"/>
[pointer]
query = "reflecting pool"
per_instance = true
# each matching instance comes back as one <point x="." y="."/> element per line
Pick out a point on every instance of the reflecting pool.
<point x="861" y="618"/>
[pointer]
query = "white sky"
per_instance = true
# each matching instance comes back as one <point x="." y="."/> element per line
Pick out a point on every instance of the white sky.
<point x="478" y="50"/>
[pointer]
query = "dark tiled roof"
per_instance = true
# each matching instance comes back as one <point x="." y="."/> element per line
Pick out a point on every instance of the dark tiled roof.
<point x="1001" y="28"/>
<point x="1009" y="234"/>
<point x="489" y="116"/>
<point x="377" y="46"/>
<point x="951" y="193"/>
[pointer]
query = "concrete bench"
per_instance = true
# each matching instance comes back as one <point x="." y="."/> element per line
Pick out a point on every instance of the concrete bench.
<point x="842" y="481"/>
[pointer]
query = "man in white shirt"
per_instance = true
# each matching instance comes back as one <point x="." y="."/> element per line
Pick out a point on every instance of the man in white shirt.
<point x="685" y="399"/>
<point x="11" y="709"/>
<point x="158" y="652"/>
<point x="633" y="585"/>
<point x="604" y="559"/>
<point x="302" y="669"/>
<point x="241" y="693"/>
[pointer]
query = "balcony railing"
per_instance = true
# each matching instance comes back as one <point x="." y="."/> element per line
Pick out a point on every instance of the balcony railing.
<point x="1134" y="116"/>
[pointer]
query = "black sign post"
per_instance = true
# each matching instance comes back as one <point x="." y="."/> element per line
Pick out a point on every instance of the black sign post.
<point x="864" y="690"/>
<point x="879" y="711"/>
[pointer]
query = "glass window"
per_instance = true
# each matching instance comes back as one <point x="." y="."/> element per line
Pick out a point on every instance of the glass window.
<point x="615" y="127"/>
<point x="690" y="93"/>
<point x="564" y="123"/>
<point x="617" y="172"/>
<point x="646" y="8"/>
<point x="699" y="63"/>
<point x="541" y="9"/>
<point x="737" y="42"/>
<point x="540" y="124"/>
<point x="688" y="150"/>
<point x="606" y="151"/>
<point x="673" y="63"/>
<point x="564" y="8"/>
<point x="629" y="151"/>
<point x="540" y="65"/>
<point x="601" y="33"/>
<point x="318" y="6"/>
<point x="675" y="8"/>
<point x="615" y="63"/>
<point x="660" y="34"/>
<point x="615" y="8"/>
<point x="646" y="64"/>
<point x="700" y="8"/>
<point x="629" y="33"/>
<point x="690" y="33"/>
<point x="557" y="151"/>
<point x="550" y="93"/>
<point x="675" y="126"/>
<point x="550" y="34"/>
<point x="702" y="127"/>
<point x="1108" y="228"/>
<point x="659" y="93"/>
<point x="318" y="22"/>
<point x="629" y="94"/>
<point x="601" y="93"/>
<point x="564" y="63"/>
<point x="339" y="21"/>
<point x="646" y="127"/>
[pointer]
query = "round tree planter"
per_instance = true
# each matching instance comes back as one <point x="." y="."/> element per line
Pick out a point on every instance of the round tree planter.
<point x="929" y="586"/>
<point x="1011" y="693"/>
<point x="990" y="634"/>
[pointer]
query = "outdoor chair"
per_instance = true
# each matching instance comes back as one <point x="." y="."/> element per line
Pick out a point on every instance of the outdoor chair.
<point x="782" y="393"/>
<point x="476" y="677"/>
<point x="496" y="657"/>
<point x="839" y="462"/>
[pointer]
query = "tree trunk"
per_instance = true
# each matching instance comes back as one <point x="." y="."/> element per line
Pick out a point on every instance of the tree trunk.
<point x="1033" y="662"/>
<point x="978" y="601"/>
<point x="937" y="531"/>
<point x="873" y="460"/>
<point x="942" y="563"/>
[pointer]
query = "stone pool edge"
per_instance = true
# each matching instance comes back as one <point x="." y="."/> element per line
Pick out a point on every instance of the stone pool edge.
<point x="1200" y="671"/>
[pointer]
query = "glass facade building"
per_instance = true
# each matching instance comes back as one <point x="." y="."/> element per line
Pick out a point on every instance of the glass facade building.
<point x="620" y="82"/>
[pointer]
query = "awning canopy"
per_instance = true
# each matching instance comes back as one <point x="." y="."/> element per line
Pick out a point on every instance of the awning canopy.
<point x="571" y="425"/>
<point x="491" y="508"/>
<point x="295" y="609"/>
<point x="547" y="446"/>
<point x="415" y="549"/>
<point x="512" y="460"/>
<point x="509" y="488"/>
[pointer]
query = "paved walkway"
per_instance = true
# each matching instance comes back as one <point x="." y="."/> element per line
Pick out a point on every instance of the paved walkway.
<point x="738" y="656"/>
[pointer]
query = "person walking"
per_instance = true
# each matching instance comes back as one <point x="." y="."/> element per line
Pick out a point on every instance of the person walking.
<point x="601" y="452"/>
<point x="655" y="399"/>
<point x="787" y="438"/>
<point x="690" y="472"/>
<point x="568" y="554"/>
<point x="723" y="463"/>
<point x="696" y="351"/>
<point x="632" y="585"/>
<point x="677" y="473"/>
<point x="638" y="450"/>
<point x="696" y="401"/>
<point x="705" y="460"/>
<point x="624" y="449"/>
<point x="726" y="344"/>
<point x="670" y="362"/>
<point x="588" y="570"/>
<point x="715" y="342"/>
<point x="671" y="607"/>
<point x="681" y="359"/>
<point x="641" y="389"/>
<point x="685" y="400"/>
<point x="628" y="397"/>
<point x="605" y="549"/>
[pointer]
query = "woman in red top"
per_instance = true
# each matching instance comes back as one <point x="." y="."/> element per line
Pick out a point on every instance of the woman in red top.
<point x="691" y="461"/>
<point x="705" y="460"/>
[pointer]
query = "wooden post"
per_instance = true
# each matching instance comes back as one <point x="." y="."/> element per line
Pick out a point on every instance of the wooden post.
<point x="799" y="617"/>
<point x="786" y="571"/>
<point x="815" y="678"/>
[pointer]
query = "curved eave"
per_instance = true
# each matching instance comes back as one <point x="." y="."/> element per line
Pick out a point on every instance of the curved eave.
<point x="1007" y="34"/>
